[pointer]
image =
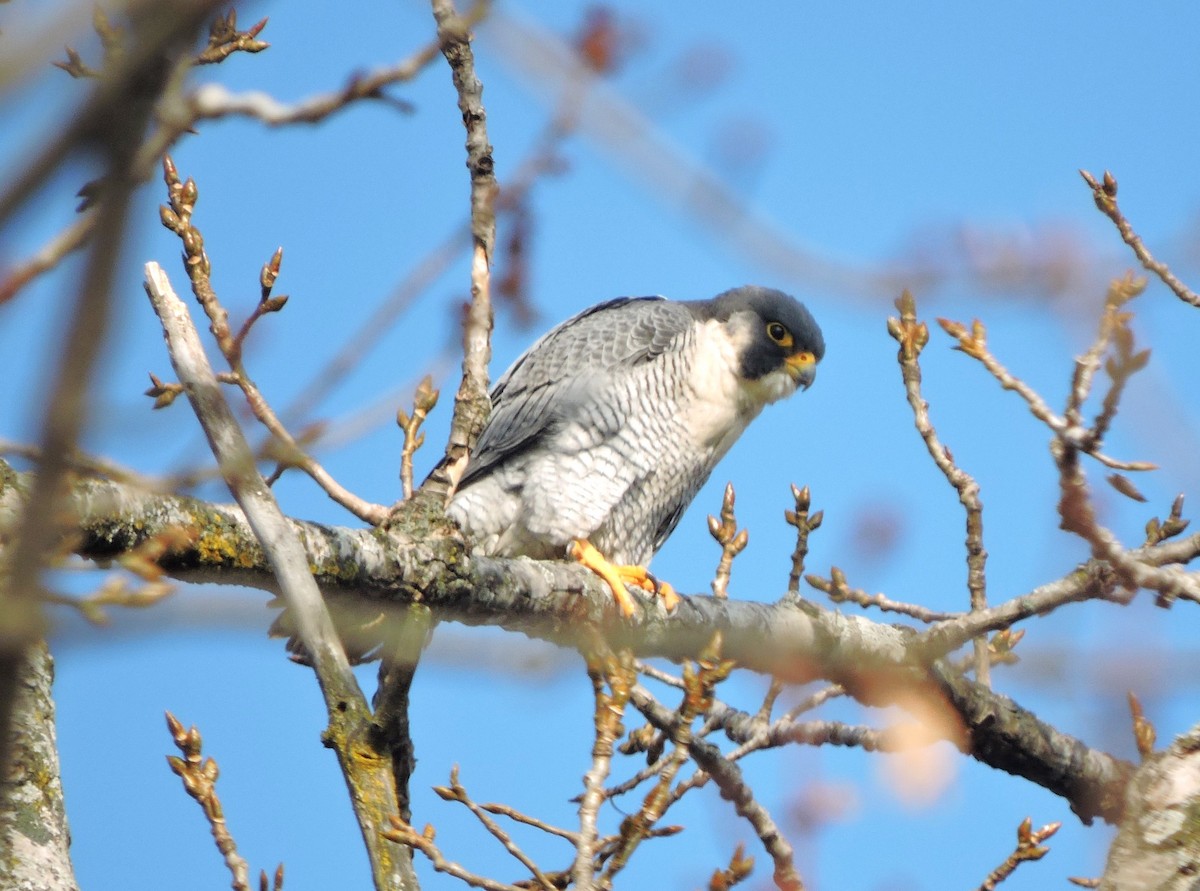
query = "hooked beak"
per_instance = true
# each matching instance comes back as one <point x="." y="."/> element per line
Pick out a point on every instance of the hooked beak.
<point x="803" y="369"/>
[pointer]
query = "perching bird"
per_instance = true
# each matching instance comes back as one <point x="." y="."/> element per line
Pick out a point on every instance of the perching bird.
<point x="603" y="432"/>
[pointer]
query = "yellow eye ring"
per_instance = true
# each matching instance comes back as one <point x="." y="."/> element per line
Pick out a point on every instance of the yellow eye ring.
<point x="779" y="333"/>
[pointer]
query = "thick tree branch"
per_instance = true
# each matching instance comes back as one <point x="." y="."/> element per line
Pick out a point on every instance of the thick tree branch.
<point x="366" y="572"/>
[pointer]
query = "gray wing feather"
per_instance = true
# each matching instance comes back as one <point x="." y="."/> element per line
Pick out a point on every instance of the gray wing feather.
<point x="569" y="364"/>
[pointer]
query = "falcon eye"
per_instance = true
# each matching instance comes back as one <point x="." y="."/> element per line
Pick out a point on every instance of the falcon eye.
<point x="780" y="334"/>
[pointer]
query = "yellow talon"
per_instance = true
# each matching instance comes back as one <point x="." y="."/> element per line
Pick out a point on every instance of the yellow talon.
<point x="619" y="576"/>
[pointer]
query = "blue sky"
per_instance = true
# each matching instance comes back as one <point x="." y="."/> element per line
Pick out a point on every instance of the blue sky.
<point x="875" y="136"/>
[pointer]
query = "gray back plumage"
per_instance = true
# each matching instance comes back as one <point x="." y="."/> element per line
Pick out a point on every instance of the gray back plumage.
<point x="608" y="338"/>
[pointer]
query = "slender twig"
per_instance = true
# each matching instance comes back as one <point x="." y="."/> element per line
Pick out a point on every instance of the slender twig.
<point x="820" y="697"/>
<point x="912" y="337"/>
<point x="734" y="788"/>
<point x="266" y="303"/>
<point x="973" y="342"/>
<point x="178" y="218"/>
<point x="839" y="591"/>
<point x="768" y="703"/>
<point x="805" y="525"/>
<point x="505" y="810"/>
<point x="224" y="39"/>
<point x="1073" y="438"/>
<point x="51" y="254"/>
<point x="200" y="781"/>
<point x="664" y="677"/>
<point x="179" y="115"/>
<point x="732" y="541"/>
<point x="1144" y="734"/>
<point x="92" y="465"/>
<point x="424" y="401"/>
<point x="1029" y="847"/>
<point x="402" y="833"/>
<point x="457" y="792"/>
<point x="1105" y="195"/>
<point x="215" y="101"/>
<point x="735" y="873"/>
<point x="370" y="780"/>
<point x="1078" y="516"/>
<point x="699" y="684"/>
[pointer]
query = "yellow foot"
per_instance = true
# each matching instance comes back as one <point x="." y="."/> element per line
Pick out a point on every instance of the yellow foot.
<point x="618" y="577"/>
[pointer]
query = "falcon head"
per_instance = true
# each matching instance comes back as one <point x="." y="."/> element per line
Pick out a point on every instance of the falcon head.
<point x="775" y="341"/>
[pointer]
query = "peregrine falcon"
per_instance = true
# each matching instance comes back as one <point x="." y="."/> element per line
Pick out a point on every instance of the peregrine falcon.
<point x="603" y="432"/>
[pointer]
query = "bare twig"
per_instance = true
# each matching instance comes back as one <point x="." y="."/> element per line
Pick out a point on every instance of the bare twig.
<point x="178" y="218"/>
<point x="370" y="780"/>
<point x="224" y="39"/>
<point x="731" y="540"/>
<point x="266" y="303"/>
<point x="1094" y="580"/>
<point x="114" y="592"/>
<point x="1144" y="733"/>
<point x="513" y="814"/>
<point x="912" y="337"/>
<point x="457" y="792"/>
<point x="69" y="240"/>
<point x="973" y="342"/>
<point x="215" y="101"/>
<point x="699" y="684"/>
<point x="402" y="833"/>
<point x="1105" y="195"/>
<point x="736" y="872"/>
<point x="1078" y="516"/>
<point x="805" y="525"/>
<point x="728" y="778"/>
<point x="200" y="781"/>
<point x="819" y="698"/>
<point x="1029" y="847"/>
<point x="1073" y="438"/>
<point x="424" y="401"/>
<point x="837" y="589"/>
